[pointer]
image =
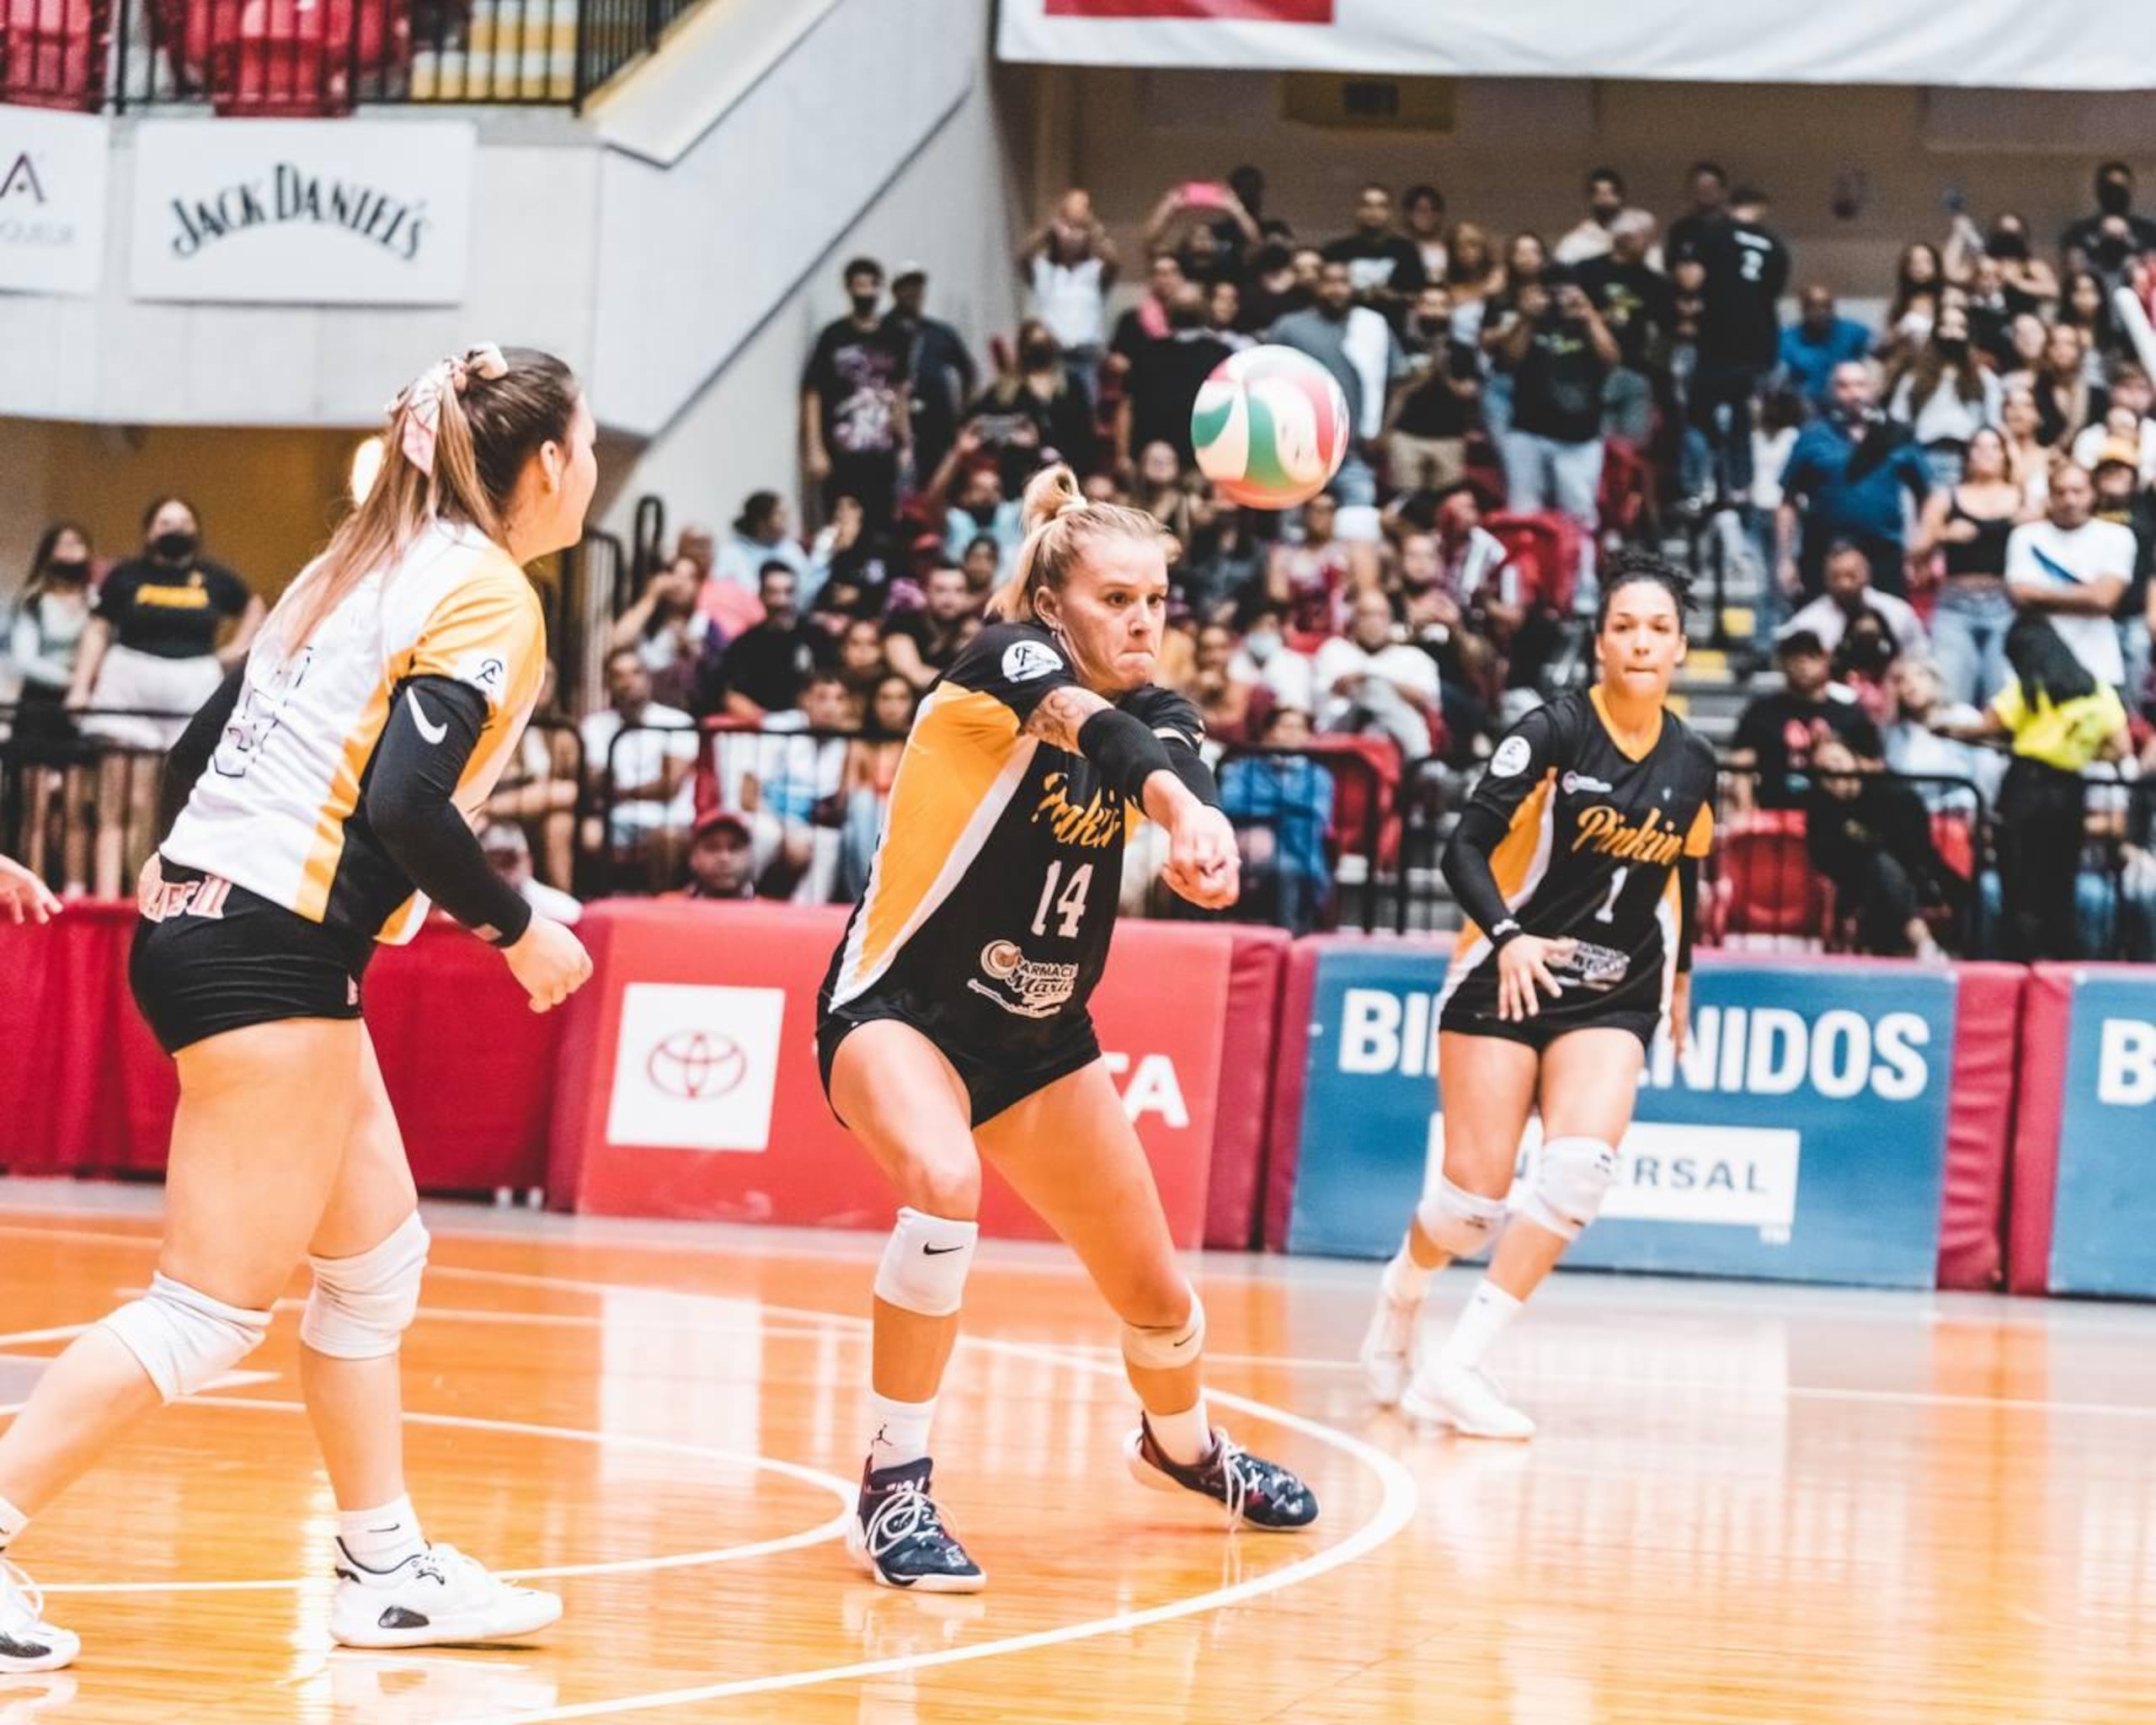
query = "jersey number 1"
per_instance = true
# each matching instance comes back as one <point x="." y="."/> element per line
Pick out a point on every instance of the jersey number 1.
<point x="1607" y="913"/>
<point x="1071" y="907"/>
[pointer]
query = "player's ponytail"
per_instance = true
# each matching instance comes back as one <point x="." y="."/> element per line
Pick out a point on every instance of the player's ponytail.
<point x="456" y="442"/>
<point x="1059" y="525"/>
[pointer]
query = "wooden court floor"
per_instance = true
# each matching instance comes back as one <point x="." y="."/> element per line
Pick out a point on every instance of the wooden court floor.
<point x="1747" y="1504"/>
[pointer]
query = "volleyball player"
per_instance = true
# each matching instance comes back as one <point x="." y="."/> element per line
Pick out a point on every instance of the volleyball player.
<point x="1576" y="863"/>
<point x="23" y="895"/>
<point x="954" y="1021"/>
<point x="327" y="791"/>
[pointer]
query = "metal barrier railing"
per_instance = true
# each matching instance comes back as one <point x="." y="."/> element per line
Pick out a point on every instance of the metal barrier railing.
<point x="302" y="58"/>
<point x="78" y="807"/>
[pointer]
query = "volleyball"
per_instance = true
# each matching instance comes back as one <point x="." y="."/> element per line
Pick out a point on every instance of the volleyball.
<point x="1270" y="427"/>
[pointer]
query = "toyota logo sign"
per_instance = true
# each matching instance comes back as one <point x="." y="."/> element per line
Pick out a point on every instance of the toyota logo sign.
<point x="697" y="1065"/>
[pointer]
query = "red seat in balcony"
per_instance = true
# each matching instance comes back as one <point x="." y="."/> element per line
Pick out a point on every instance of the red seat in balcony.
<point x="296" y="59"/>
<point x="1765" y="883"/>
<point x="52" y="53"/>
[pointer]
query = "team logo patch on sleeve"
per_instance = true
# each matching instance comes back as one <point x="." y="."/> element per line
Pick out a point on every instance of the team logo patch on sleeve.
<point x="1024" y="660"/>
<point x="1511" y="757"/>
<point x="488" y="672"/>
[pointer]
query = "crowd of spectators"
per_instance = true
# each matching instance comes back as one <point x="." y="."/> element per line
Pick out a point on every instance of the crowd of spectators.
<point x="1944" y="493"/>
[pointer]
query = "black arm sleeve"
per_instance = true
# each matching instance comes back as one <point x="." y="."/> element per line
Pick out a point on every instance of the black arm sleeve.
<point x="1126" y="750"/>
<point x="189" y="758"/>
<point x="1177" y="722"/>
<point x="435" y="724"/>
<point x="1688" y="911"/>
<point x="1517" y="771"/>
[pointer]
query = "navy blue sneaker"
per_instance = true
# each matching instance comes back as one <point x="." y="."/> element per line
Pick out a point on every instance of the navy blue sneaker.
<point x="1262" y="1493"/>
<point x="897" y="1536"/>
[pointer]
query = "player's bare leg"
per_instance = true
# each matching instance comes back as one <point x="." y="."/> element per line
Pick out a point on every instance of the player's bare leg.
<point x="1489" y="1093"/>
<point x="900" y="1097"/>
<point x="1069" y="1152"/>
<point x="1590" y="1080"/>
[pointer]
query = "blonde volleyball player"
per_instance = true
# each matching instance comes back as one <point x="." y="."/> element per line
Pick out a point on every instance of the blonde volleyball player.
<point x="1576" y="863"/>
<point x="326" y="792"/>
<point x="953" y="1022"/>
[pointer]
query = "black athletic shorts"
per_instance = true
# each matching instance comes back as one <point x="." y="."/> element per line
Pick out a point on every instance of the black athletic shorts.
<point x="994" y="1079"/>
<point x="1636" y="1007"/>
<point x="210" y="957"/>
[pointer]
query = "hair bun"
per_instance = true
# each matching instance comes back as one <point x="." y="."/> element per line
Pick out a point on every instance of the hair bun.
<point x="1071" y="505"/>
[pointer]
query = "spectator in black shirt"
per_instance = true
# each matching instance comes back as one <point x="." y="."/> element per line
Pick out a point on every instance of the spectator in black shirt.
<point x="766" y="667"/>
<point x="1273" y="290"/>
<point x="1560" y="353"/>
<point x="938" y="366"/>
<point x="1777" y="733"/>
<point x="1147" y="321"/>
<point x="1386" y="267"/>
<point x="1640" y="306"/>
<point x="1209" y="252"/>
<point x="1036" y="413"/>
<point x="1709" y="204"/>
<point x="855" y="424"/>
<point x="1426" y="442"/>
<point x="2109" y="241"/>
<point x="922" y="644"/>
<point x="1744" y="267"/>
<point x="1871" y="836"/>
<point x="1163" y="379"/>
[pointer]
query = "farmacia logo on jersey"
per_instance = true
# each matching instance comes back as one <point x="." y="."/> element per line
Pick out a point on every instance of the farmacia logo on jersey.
<point x="1029" y="989"/>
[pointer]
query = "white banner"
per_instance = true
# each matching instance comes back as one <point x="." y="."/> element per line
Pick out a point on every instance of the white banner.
<point x="303" y="212"/>
<point x="53" y="193"/>
<point x="2060" y="45"/>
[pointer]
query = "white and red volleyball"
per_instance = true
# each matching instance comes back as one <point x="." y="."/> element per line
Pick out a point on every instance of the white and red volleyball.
<point x="1270" y="427"/>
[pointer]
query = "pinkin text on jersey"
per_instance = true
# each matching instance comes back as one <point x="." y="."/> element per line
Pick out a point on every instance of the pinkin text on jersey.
<point x="1604" y="830"/>
<point x="1090" y="825"/>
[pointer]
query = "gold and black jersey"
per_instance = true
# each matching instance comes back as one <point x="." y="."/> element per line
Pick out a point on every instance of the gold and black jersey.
<point x="1591" y="838"/>
<point x="993" y="894"/>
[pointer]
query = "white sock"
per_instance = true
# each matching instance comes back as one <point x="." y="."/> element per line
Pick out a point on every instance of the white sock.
<point x="1406" y="1281"/>
<point x="1489" y="1310"/>
<point x="12" y="1521"/>
<point x="381" y="1539"/>
<point x="901" y="1431"/>
<point x="1188" y="1437"/>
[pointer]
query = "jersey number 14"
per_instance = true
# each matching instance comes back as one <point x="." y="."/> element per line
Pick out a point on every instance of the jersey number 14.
<point x="1071" y="908"/>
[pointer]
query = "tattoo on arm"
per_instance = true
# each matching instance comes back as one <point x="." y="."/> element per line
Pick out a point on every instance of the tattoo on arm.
<point x="1061" y="714"/>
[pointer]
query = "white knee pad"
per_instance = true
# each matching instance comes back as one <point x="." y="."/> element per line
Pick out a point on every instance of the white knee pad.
<point x="361" y="1306"/>
<point x="1572" y="1178"/>
<point x="184" y="1339"/>
<point x="1461" y="1222"/>
<point x="924" y="1263"/>
<point x="1168" y="1346"/>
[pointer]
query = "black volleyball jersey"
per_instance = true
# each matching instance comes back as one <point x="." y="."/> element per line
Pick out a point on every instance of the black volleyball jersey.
<point x="995" y="885"/>
<point x="1590" y="846"/>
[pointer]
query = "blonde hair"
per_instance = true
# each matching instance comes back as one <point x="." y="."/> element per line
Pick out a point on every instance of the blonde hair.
<point x="1060" y="525"/>
<point x="488" y="429"/>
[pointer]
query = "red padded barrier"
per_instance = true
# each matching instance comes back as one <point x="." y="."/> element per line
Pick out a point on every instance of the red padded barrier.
<point x="2047" y="1021"/>
<point x="1980" y="1125"/>
<point x="84" y="1089"/>
<point x="1249" y="1051"/>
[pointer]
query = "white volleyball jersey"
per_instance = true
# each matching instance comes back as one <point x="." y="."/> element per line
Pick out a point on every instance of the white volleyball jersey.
<point x="280" y="809"/>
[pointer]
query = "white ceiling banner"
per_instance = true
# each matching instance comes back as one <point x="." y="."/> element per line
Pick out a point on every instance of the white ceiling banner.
<point x="2054" y="44"/>
<point x="324" y="212"/>
<point x="53" y="169"/>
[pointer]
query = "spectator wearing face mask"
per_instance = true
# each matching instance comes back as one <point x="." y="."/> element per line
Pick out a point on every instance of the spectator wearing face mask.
<point x="2108" y="240"/>
<point x="1069" y="265"/>
<point x="1428" y="425"/>
<point x="968" y="490"/>
<point x="1031" y="412"/>
<point x="1594" y="236"/>
<point x="1819" y="340"/>
<point x="1266" y="659"/>
<point x="2025" y="282"/>
<point x="1358" y="347"/>
<point x="1281" y="806"/>
<point x="51" y="618"/>
<point x="1946" y="396"/>
<point x="855" y="429"/>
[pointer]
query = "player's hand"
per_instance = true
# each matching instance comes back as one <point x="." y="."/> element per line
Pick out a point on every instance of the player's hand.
<point x="548" y="962"/>
<point x="25" y="897"/>
<point x="1680" y="1012"/>
<point x="1523" y="974"/>
<point x="1204" y="863"/>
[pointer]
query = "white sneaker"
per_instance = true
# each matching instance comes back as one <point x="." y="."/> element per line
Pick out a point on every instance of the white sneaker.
<point x="26" y="1643"/>
<point x="440" y="1596"/>
<point x="1387" y="1356"/>
<point x="1467" y="1400"/>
